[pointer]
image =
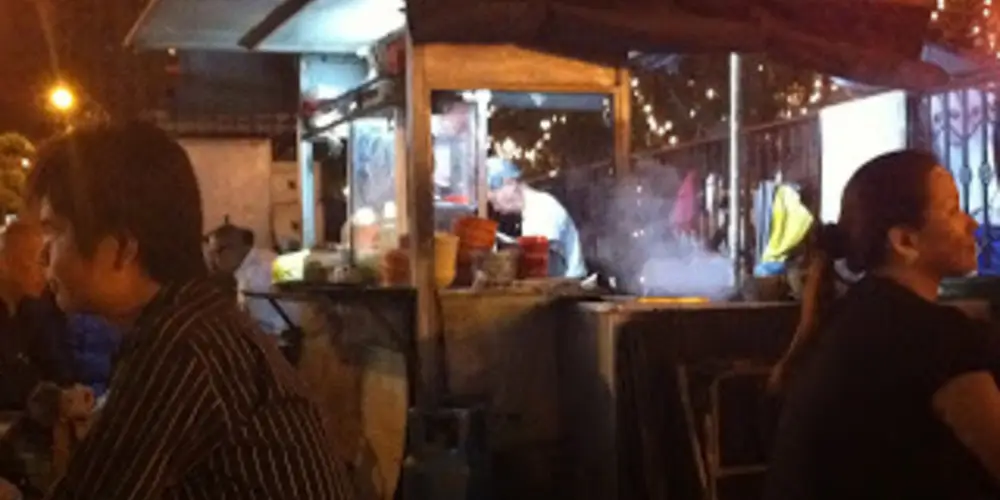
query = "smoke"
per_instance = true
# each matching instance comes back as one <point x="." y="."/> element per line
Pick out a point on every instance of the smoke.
<point x="645" y="249"/>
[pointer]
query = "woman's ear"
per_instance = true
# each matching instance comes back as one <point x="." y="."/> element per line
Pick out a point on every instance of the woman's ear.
<point x="903" y="245"/>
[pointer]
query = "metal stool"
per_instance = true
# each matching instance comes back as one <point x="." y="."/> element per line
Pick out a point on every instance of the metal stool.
<point x="707" y="445"/>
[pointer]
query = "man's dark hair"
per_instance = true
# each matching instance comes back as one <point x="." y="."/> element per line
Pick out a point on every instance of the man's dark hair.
<point x="126" y="180"/>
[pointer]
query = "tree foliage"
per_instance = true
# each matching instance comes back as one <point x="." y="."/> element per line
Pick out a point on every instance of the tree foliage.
<point x="16" y="154"/>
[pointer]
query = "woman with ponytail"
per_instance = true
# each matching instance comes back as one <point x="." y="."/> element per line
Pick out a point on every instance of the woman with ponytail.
<point x="887" y="394"/>
<point x="818" y="291"/>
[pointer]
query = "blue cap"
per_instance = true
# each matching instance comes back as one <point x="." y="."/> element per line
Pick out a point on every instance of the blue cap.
<point x="499" y="171"/>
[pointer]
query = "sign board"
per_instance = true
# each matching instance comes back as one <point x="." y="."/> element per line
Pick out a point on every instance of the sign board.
<point x="853" y="133"/>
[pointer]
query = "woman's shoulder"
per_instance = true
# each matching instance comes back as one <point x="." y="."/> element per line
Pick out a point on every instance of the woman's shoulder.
<point x="890" y="322"/>
<point x="880" y="299"/>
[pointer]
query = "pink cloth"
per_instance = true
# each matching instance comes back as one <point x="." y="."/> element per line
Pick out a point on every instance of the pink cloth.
<point x="683" y="217"/>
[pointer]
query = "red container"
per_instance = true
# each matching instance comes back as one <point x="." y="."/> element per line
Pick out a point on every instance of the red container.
<point x="475" y="233"/>
<point x="394" y="269"/>
<point x="534" y="262"/>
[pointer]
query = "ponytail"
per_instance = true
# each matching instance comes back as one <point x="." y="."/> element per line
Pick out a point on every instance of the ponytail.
<point x="823" y="249"/>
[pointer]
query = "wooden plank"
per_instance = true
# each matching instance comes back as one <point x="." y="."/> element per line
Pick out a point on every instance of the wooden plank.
<point x="512" y="68"/>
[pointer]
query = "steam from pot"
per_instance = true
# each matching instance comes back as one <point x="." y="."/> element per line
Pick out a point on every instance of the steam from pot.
<point x="639" y="245"/>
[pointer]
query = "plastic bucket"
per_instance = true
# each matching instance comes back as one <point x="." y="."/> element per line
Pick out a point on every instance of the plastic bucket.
<point x="476" y="233"/>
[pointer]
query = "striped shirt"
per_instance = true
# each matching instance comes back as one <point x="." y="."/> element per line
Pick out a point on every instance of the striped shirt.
<point x="202" y="406"/>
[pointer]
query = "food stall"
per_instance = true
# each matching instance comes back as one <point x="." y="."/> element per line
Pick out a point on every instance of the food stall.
<point x="492" y="347"/>
<point x="543" y="370"/>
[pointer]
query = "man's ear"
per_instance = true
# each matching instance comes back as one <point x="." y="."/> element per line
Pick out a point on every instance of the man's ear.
<point x="127" y="251"/>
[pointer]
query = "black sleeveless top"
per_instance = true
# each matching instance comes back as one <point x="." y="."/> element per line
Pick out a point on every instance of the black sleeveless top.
<point x="857" y="422"/>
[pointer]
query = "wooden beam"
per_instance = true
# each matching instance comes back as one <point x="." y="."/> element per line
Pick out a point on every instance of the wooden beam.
<point x="274" y="20"/>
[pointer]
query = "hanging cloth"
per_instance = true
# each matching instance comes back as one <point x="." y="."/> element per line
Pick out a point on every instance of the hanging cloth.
<point x="683" y="216"/>
<point x="790" y="223"/>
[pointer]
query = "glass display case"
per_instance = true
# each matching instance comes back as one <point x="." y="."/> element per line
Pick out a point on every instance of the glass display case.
<point x="373" y="122"/>
<point x="459" y="156"/>
<point x="372" y="179"/>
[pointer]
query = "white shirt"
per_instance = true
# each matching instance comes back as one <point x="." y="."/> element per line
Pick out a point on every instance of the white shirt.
<point x="254" y="275"/>
<point x="543" y="215"/>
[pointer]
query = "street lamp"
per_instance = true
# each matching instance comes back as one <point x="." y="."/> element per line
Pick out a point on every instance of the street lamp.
<point x="62" y="99"/>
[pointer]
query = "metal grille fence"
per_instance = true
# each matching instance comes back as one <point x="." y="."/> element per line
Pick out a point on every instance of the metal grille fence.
<point x="959" y="124"/>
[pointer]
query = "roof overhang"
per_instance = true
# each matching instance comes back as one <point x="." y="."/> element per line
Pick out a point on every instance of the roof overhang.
<point x="873" y="41"/>
<point x="297" y="26"/>
<point x="876" y="41"/>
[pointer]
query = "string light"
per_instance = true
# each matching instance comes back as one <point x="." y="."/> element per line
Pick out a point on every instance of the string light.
<point x="968" y="24"/>
<point x="509" y="149"/>
<point x="797" y="100"/>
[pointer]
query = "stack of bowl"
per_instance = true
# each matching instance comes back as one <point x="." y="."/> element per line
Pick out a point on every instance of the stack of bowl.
<point x="476" y="238"/>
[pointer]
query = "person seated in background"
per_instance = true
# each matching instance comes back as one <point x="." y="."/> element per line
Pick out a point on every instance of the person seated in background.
<point x="34" y="337"/>
<point x="35" y="359"/>
<point x="231" y="252"/>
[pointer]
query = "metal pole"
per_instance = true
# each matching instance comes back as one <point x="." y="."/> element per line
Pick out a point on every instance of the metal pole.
<point x="307" y="191"/>
<point x="735" y="217"/>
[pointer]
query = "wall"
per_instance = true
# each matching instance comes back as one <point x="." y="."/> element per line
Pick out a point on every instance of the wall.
<point x="235" y="84"/>
<point x="286" y="206"/>
<point x="235" y="180"/>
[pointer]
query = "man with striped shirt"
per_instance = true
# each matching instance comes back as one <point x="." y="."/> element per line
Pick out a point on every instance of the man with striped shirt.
<point x="200" y="406"/>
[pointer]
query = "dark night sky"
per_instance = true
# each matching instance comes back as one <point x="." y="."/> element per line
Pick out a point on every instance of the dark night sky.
<point x="25" y="68"/>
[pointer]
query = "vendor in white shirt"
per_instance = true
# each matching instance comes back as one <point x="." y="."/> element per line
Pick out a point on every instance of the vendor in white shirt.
<point x="541" y="215"/>
<point x="231" y="251"/>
